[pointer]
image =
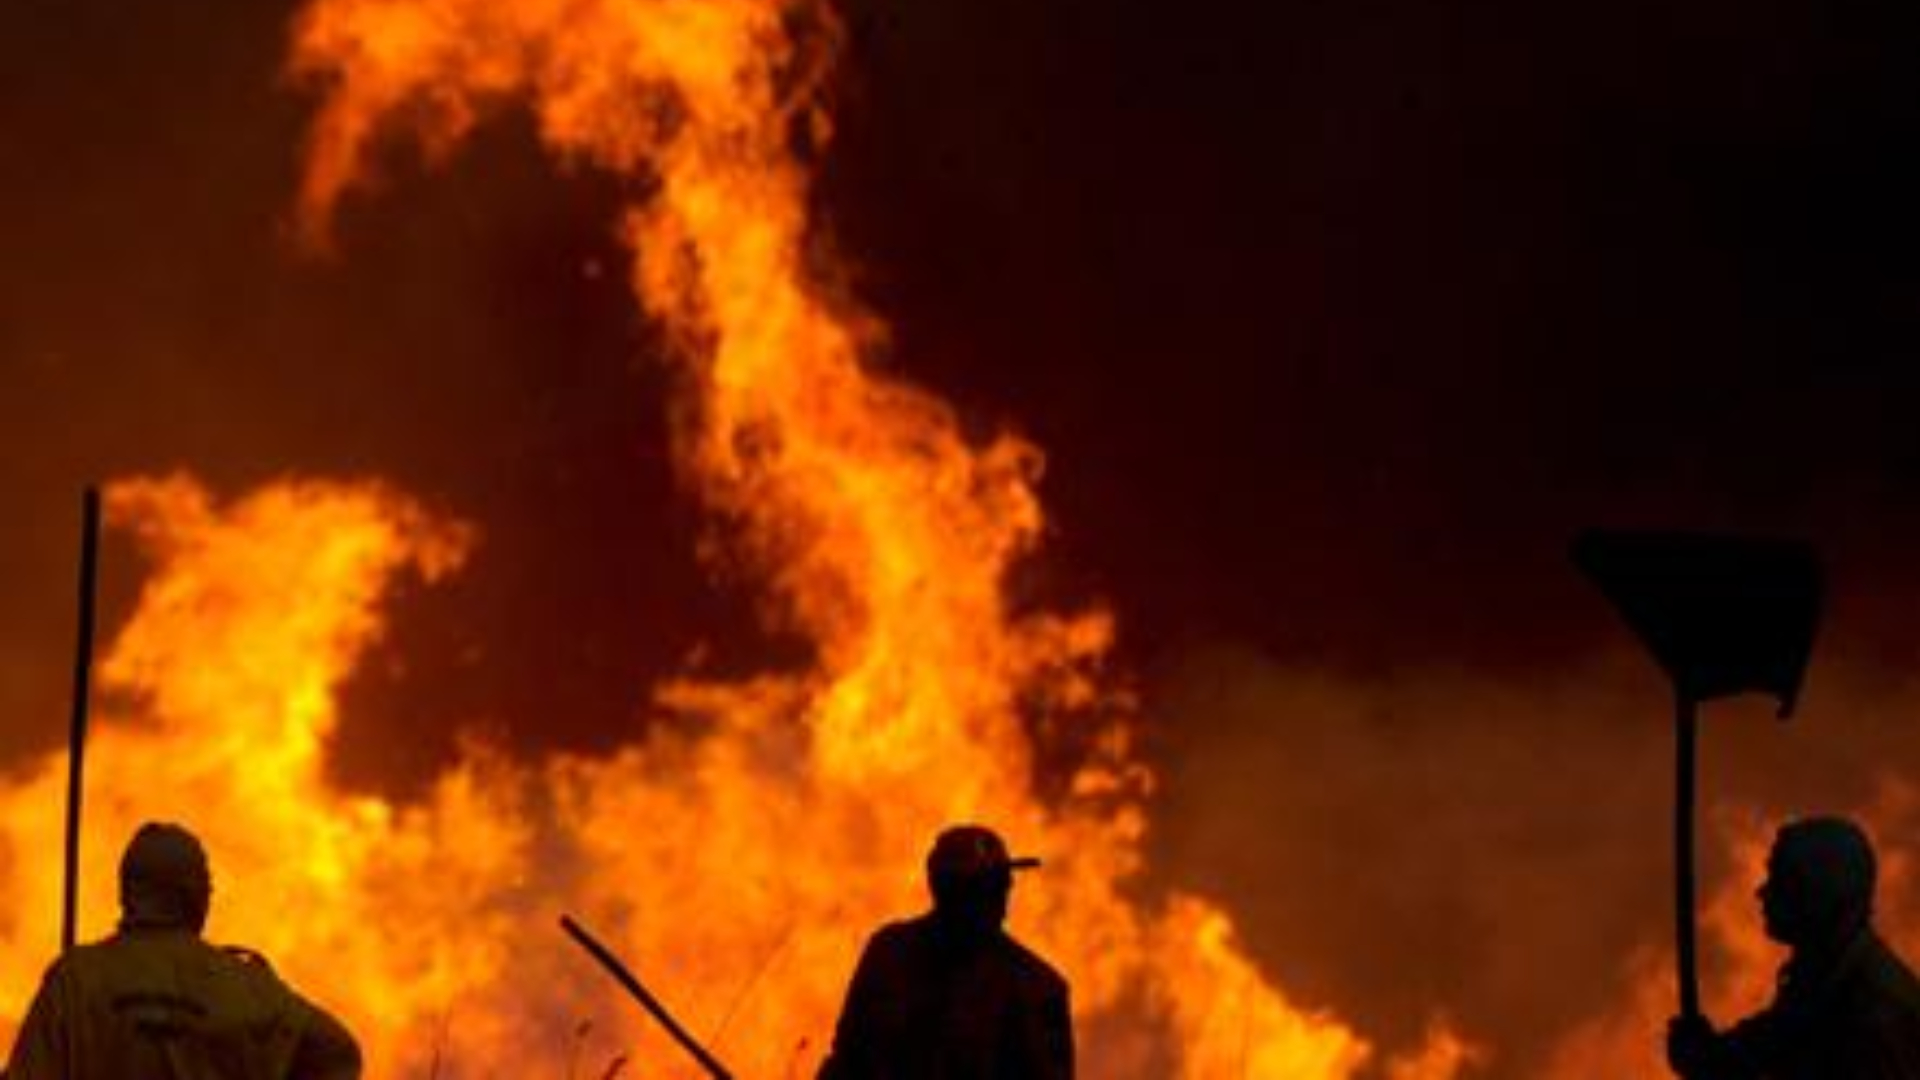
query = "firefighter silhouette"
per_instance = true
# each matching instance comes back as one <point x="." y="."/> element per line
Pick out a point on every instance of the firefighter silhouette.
<point x="156" y="1002"/>
<point x="950" y="995"/>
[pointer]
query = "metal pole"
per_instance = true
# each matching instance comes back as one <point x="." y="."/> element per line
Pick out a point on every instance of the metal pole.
<point x="647" y="1001"/>
<point x="82" y="696"/>
<point x="1687" y="727"/>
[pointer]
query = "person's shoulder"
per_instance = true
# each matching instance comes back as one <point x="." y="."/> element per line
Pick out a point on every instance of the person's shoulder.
<point x="116" y="953"/>
<point x="896" y="950"/>
<point x="1886" y="975"/>
<point x="247" y="985"/>
<point x="1881" y="995"/>
<point x="901" y="929"/>
<point x="130" y="961"/>
<point x="244" y="965"/>
<point x="1032" y="969"/>
<point x="902" y="935"/>
<point x="86" y="955"/>
<point x="73" y="964"/>
<point x="245" y="958"/>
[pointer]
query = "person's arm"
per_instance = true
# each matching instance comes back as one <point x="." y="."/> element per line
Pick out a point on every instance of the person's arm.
<point x="1695" y="1051"/>
<point x="40" y="1047"/>
<point x="326" y="1051"/>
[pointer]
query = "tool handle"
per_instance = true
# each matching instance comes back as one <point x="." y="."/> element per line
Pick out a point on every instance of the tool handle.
<point x="1687" y="732"/>
<point x="647" y="1001"/>
<point x="82" y="698"/>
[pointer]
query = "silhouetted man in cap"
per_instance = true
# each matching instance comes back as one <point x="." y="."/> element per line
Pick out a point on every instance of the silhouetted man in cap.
<point x="1847" y="1008"/>
<point x="155" y="1002"/>
<point x="949" y="995"/>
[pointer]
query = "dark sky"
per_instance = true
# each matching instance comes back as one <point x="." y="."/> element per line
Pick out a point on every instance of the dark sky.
<point x="1339" y="318"/>
<point x="1335" y="320"/>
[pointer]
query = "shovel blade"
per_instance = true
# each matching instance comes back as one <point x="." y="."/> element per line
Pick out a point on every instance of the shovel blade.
<point x="1722" y="615"/>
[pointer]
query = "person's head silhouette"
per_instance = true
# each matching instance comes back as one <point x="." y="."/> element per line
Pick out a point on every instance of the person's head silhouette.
<point x="970" y="876"/>
<point x="1819" y="885"/>
<point x="164" y="882"/>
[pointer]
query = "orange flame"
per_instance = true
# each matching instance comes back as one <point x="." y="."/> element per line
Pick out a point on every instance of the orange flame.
<point x="884" y="533"/>
<point x="233" y="659"/>
<point x="1625" y="1039"/>
<point x="1740" y="963"/>
<point x="749" y="839"/>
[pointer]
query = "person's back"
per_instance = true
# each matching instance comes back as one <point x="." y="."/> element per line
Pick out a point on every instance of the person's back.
<point x="155" y="1002"/>
<point x="949" y="995"/>
<point x="162" y="1003"/>
<point x="938" y="1009"/>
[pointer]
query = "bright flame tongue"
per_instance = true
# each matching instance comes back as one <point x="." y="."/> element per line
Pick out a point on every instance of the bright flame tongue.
<point x="885" y="535"/>
<point x="234" y="656"/>
<point x="743" y="863"/>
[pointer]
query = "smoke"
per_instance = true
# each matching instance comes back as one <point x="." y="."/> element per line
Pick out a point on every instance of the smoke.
<point x="1495" y="849"/>
<point x="1432" y="835"/>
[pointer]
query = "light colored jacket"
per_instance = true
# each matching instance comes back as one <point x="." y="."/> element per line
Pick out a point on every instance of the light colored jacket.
<point x="161" y="1004"/>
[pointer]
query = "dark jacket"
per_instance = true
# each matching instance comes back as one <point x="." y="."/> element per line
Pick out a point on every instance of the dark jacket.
<point x="1853" y="1016"/>
<point x="923" y="1006"/>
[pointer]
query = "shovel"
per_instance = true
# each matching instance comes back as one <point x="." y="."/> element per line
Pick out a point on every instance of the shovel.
<point x="1722" y="615"/>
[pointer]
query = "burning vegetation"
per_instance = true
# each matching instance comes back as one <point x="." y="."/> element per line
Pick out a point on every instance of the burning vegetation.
<point x="751" y="831"/>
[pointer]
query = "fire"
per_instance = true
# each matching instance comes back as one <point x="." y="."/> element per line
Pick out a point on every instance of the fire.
<point x="1624" y="1039"/>
<point x="1739" y="962"/>
<point x="751" y="833"/>
<point x="225" y="681"/>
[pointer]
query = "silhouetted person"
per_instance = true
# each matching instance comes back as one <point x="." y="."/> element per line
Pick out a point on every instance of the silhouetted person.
<point x="948" y="995"/>
<point x="1847" y="1008"/>
<point x="155" y="1002"/>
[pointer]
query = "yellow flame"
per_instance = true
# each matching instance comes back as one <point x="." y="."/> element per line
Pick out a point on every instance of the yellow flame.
<point x="228" y="671"/>
<point x="885" y="534"/>
<point x="745" y="844"/>
<point x="1739" y="965"/>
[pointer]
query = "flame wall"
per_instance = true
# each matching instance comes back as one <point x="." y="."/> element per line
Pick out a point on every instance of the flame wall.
<point x="884" y="536"/>
<point x="147" y="317"/>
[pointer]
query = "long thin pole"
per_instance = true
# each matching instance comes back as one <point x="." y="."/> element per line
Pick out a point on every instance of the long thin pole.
<point x="647" y="1001"/>
<point x="82" y="697"/>
<point x="1687" y="727"/>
